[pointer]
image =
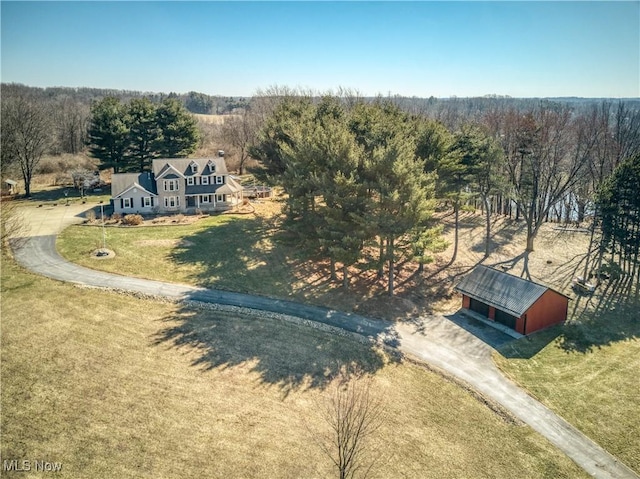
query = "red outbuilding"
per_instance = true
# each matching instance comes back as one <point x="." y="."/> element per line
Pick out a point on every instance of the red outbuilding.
<point x="519" y="304"/>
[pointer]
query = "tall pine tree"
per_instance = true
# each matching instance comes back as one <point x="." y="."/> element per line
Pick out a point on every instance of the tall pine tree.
<point x="109" y="133"/>
<point x="178" y="129"/>
<point x="145" y="135"/>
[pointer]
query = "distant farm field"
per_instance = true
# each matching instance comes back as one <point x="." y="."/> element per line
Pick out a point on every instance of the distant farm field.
<point x="213" y="119"/>
<point x="114" y="386"/>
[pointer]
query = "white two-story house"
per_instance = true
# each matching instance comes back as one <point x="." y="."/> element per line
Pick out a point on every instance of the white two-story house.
<point x="176" y="185"/>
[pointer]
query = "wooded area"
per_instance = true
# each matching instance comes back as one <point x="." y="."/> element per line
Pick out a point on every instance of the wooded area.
<point x="363" y="177"/>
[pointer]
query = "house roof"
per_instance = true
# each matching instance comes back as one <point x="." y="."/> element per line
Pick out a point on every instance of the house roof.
<point x="501" y="290"/>
<point x="123" y="181"/>
<point x="229" y="188"/>
<point x="233" y="185"/>
<point x="167" y="170"/>
<point x="201" y="189"/>
<point x="183" y="165"/>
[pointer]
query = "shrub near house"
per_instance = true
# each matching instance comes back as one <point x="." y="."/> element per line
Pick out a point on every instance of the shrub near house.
<point x="176" y="185"/>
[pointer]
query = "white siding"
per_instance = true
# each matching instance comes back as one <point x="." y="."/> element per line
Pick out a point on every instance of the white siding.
<point x="134" y="198"/>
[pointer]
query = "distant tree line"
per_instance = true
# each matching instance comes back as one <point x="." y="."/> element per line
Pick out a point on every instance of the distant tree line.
<point x="193" y="101"/>
<point x="349" y="164"/>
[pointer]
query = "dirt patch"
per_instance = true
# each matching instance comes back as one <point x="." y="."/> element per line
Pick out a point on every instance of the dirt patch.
<point x="559" y="255"/>
<point x="386" y="307"/>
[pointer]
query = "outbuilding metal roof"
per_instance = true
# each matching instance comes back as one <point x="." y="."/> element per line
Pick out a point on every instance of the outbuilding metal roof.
<point x="501" y="290"/>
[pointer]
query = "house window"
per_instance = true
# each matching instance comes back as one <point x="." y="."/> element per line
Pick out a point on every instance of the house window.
<point x="172" y="201"/>
<point x="194" y="167"/>
<point x="126" y="202"/>
<point x="204" y="199"/>
<point x="205" y="180"/>
<point x="219" y="180"/>
<point x="190" y="180"/>
<point x="146" y="202"/>
<point x="221" y="198"/>
<point x="170" y="185"/>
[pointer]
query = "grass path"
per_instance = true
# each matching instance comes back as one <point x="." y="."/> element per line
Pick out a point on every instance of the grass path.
<point x="113" y="386"/>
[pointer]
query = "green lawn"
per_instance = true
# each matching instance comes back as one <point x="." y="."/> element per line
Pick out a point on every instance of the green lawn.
<point x="113" y="386"/>
<point x="231" y="252"/>
<point x="587" y="371"/>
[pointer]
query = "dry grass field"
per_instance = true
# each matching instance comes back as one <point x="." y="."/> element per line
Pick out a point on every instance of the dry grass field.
<point x="114" y="386"/>
<point x="585" y="370"/>
<point x="213" y="119"/>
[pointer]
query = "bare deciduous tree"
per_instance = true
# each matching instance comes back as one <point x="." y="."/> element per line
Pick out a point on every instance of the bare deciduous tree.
<point x="545" y="159"/>
<point x="12" y="224"/>
<point x="353" y="413"/>
<point x="25" y="135"/>
<point x="240" y="132"/>
<point x="71" y="121"/>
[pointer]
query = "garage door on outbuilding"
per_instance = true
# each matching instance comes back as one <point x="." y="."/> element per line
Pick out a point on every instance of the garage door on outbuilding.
<point x="517" y="303"/>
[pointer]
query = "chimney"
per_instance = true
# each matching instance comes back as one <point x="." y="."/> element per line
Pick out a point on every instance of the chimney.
<point x="221" y="153"/>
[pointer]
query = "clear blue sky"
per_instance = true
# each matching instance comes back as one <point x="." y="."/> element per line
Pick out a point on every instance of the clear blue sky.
<point x="522" y="49"/>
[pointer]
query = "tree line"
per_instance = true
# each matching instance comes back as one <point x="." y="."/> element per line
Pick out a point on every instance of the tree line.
<point x="362" y="177"/>
<point x="364" y="174"/>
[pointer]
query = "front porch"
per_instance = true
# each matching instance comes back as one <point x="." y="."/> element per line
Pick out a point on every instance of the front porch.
<point x="211" y="202"/>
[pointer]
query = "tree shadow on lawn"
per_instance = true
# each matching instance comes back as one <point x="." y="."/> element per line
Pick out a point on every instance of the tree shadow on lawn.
<point x="252" y="255"/>
<point x="503" y="232"/>
<point x="57" y="194"/>
<point x="238" y="254"/>
<point x="611" y="316"/>
<point x="289" y="356"/>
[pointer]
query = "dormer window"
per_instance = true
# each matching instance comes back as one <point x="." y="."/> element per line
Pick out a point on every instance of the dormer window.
<point x="212" y="167"/>
<point x="194" y="168"/>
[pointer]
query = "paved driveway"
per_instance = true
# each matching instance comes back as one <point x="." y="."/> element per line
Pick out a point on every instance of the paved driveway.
<point x="457" y="345"/>
<point x="50" y="220"/>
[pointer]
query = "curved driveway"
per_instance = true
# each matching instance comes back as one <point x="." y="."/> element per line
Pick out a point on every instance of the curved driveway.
<point x="454" y="344"/>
